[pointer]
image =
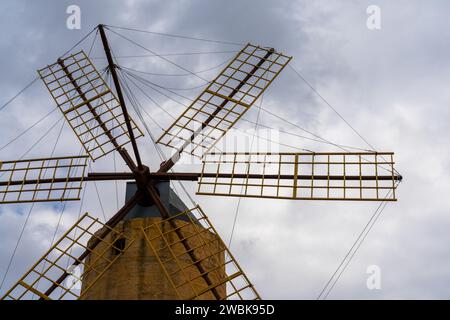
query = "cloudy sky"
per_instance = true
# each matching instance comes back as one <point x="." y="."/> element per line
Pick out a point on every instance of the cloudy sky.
<point x="390" y="84"/>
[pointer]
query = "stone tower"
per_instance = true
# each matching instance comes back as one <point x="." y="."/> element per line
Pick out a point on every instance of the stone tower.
<point x="137" y="274"/>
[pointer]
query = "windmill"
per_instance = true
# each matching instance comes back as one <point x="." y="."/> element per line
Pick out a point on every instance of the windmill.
<point x="176" y="253"/>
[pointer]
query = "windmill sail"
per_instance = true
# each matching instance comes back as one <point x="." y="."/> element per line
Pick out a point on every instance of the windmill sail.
<point x="39" y="180"/>
<point x="300" y="176"/>
<point x="88" y="104"/>
<point x="224" y="100"/>
<point x="190" y="253"/>
<point x="62" y="260"/>
<point x="205" y="268"/>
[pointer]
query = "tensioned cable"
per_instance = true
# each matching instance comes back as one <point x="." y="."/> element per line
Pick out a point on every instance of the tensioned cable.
<point x="78" y="218"/>
<point x="64" y="204"/>
<point x="149" y="84"/>
<point x="29" y="212"/>
<point x="144" y="81"/>
<point x="32" y="206"/>
<point x="19" y="93"/>
<point x="356" y="249"/>
<point x="136" y="105"/>
<point x="37" y="77"/>
<point x="281" y="118"/>
<point x="100" y="201"/>
<point x="336" y="112"/>
<point x="154" y="101"/>
<point x="271" y="113"/>
<point x="84" y="189"/>
<point x="150" y="98"/>
<point x="105" y="71"/>
<point x="29" y="128"/>
<point x="168" y="54"/>
<point x="282" y="144"/>
<point x="248" y="168"/>
<point x="17" y="245"/>
<point x="109" y="81"/>
<point x="115" y="182"/>
<point x="178" y="36"/>
<point x="332" y="108"/>
<point x="353" y="249"/>
<point x="135" y="102"/>
<point x="186" y="89"/>
<point x="299" y="136"/>
<point x="308" y="132"/>
<point x="163" y="58"/>
<point x="158" y="55"/>
<point x="323" y="140"/>
<point x="343" y="148"/>
<point x="80" y="153"/>
<point x="167" y="88"/>
<point x="82" y="197"/>
<point x="303" y="129"/>
<point x="32" y="126"/>
<point x="158" y="91"/>
<point x="176" y="74"/>
<point x="76" y="229"/>
<point x="79" y="42"/>
<point x="157" y="148"/>
<point x="274" y="141"/>
<point x="152" y="86"/>
<point x="63" y="208"/>
<point x="151" y="118"/>
<point x="42" y="137"/>
<point x="190" y="72"/>
<point x="237" y="209"/>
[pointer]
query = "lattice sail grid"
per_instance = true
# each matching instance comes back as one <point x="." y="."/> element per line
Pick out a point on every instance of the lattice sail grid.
<point x="88" y="104"/>
<point x="195" y="260"/>
<point x="300" y="176"/>
<point x="224" y="100"/>
<point x="39" y="180"/>
<point x="63" y="258"/>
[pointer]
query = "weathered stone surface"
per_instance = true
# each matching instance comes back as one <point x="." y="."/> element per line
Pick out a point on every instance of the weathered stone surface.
<point x="137" y="274"/>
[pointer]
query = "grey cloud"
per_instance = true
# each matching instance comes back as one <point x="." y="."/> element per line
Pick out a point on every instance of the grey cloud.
<point x="391" y="85"/>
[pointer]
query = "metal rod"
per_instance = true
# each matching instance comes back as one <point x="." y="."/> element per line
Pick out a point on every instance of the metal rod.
<point x="121" y="151"/>
<point x="112" y="68"/>
<point x="97" y="177"/>
<point x="165" y="215"/>
<point x="171" y="162"/>
<point x="194" y="176"/>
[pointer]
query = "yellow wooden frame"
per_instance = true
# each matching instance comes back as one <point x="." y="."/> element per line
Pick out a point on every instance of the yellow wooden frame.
<point x="192" y="120"/>
<point x="56" y="261"/>
<point x="78" y="109"/>
<point x="207" y="246"/>
<point x="51" y="176"/>
<point x="368" y="176"/>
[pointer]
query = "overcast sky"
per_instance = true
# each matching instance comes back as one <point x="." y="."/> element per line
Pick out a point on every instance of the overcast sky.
<point x="390" y="84"/>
